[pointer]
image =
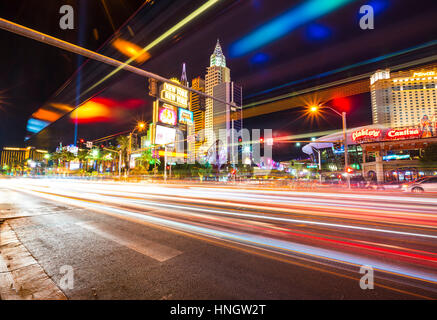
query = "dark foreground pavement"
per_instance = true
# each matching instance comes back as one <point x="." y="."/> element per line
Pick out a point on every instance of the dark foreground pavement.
<point x="117" y="258"/>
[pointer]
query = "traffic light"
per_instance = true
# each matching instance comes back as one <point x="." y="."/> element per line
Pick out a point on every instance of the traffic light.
<point x="80" y="143"/>
<point x="349" y="170"/>
<point x="153" y="87"/>
<point x="261" y="140"/>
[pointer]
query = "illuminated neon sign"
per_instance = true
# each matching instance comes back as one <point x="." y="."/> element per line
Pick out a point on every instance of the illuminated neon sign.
<point x="403" y="133"/>
<point x="396" y="157"/>
<point x="175" y="95"/>
<point x="366" y="134"/>
<point x="424" y="74"/>
<point x="185" y="116"/>
<point x="167" y="115"/>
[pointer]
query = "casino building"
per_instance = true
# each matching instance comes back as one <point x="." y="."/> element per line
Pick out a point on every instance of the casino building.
<point x="405" y="98"/>
<point x="376" y="152"/>
<point x="11" y="155"/>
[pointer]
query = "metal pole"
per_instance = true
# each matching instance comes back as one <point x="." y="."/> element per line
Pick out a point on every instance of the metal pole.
<point x="45" y="38"/>
<point x="130" y="151"/>
<point x="119" y="164"/>
<point x="346" y="155"/>
<point x="320" y="166"/>
<point x="165" y="163"/>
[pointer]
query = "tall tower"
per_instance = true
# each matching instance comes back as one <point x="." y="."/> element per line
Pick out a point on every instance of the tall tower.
<point x="197" y="105"/>
<point x="184" y="79"/>
<point x="227" y="118"/>
<point x="217" y="73"/>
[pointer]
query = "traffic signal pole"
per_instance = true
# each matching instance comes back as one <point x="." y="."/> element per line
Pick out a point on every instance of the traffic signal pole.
<point x="346" y="155"/>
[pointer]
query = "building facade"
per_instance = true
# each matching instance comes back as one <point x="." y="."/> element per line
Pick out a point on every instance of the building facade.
<point x="217" y="73"/>
<point x="375" y="152"/>
<point x="197" y="105"/>
<point x="12" y="156"/>
<point x="226" y="118"/>
<point x="405" y="99"/>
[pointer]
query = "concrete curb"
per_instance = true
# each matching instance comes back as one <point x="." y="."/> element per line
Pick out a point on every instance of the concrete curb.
<point x="21" y="277"/>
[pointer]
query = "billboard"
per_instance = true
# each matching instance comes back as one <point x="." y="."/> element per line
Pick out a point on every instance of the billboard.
<point x="164" y="135"/>
<point x="174" y="95"/>
<point x="185" y="116"/>
<point x="167" y="114"/>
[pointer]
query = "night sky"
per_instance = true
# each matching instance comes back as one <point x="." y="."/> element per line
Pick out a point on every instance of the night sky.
<point x="32" y="73"/>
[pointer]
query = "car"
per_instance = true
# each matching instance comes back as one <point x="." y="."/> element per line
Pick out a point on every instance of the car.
<point x="426" y="184"/>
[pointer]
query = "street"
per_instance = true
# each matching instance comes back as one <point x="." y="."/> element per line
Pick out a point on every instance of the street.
<point x="182" y="241"/>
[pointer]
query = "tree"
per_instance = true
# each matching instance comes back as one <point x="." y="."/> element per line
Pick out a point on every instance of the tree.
<point x="123" y="147"/>
<point x="63" y="157"/>
<point x="83" y="156"/>
<point x="146" y="159"/>
<point x="204" y="170"/>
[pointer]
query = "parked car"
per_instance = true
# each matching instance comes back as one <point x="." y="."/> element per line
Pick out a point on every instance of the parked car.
<point x="426" y="184"/>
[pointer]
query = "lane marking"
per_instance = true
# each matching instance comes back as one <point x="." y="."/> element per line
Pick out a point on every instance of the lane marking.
<point x="133" y="217"/>
<point x="148" y="248"/>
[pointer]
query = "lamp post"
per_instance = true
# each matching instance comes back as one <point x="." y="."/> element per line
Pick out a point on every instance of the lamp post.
<point x="314" y="109"/>
<point x="140" y="126"/>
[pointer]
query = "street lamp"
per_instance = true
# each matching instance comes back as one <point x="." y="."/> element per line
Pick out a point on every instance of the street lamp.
<point x="140" y="127"/>
<point x="316" y="108"/>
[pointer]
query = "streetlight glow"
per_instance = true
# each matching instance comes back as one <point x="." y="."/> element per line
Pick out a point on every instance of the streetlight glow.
<point x="314" y="108"/>
<point x="141" y="125"/>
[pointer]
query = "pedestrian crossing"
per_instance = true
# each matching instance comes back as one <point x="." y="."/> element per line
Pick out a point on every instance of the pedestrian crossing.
<point x="151" y="249"/>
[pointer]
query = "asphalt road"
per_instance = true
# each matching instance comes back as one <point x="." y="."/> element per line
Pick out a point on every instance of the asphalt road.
<point x="150" y="241"/>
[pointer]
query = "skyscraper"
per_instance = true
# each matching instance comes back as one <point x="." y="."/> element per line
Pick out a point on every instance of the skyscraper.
<point x="226" y="118"/>
<point x="217" y="73"/>
<point x="197" y="104"/>
<point x="403" y="99"/>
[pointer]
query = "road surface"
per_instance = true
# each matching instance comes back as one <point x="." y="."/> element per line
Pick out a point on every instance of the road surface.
<point x="155" y="241"/>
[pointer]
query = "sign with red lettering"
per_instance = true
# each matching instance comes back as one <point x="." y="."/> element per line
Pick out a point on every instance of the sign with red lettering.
<point x="366" y="134"/>
<point x="403" y="133"/>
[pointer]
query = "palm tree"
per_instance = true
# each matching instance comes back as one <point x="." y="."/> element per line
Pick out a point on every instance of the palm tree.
<point x="146" y="159"/>
<point x="123" y="147"/>
<point x="83" y="156"/>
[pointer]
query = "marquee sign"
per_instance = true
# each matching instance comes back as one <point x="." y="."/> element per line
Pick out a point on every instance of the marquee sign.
<point x="365" y="134"/>
<point x="424" y="74"/>
<point x="174" y="95"/>
<point x="403" y="133"/>
<point x="185" y="116"/>
<point x="167" y="114"/>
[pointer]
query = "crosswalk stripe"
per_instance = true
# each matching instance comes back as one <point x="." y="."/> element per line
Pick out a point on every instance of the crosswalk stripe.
<point x="148" y="248"/>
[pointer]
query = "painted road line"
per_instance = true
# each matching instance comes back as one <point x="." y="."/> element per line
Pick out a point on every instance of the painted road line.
<point x="21" y="277"/>
<point x="148" y="248"/>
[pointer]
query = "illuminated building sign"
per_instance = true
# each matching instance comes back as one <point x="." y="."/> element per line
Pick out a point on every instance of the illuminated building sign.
<point x="403" y="133"/>
<point x="167" y="115"/>
<point x="424" y="74"/>
<point x="185" y="116"/>
<point x="175" y="95"/>
<point x="396" y="157"/>
<point x="365" y="134"/>
<point x="164" y="135"/>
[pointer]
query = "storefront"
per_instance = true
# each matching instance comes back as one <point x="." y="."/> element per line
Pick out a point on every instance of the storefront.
<point x="377" y="152"/>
